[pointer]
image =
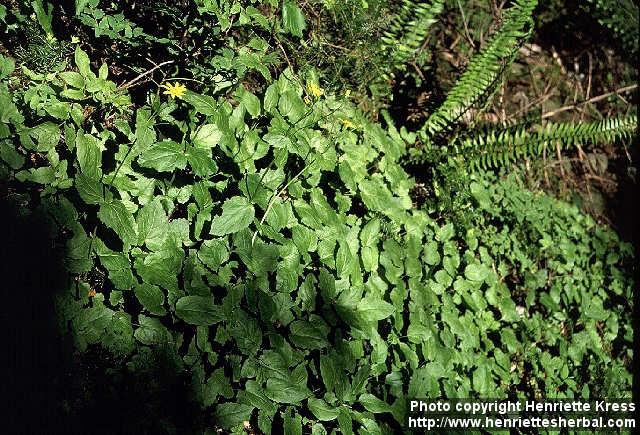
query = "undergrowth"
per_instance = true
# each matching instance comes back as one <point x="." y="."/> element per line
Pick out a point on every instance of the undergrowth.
<point x="307" y="267"/>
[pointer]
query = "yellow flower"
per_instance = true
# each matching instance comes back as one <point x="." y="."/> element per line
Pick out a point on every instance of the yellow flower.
<point x="347" y="93"/>
<point x="174" y="90"/>
<point x="75" y="40"/>
<point x="348" y="124"/>
<point x="314" y="89"/>
<point x="307" y="100"/>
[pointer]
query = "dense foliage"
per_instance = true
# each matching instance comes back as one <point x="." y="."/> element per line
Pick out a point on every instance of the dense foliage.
<point x="266" y="232"/>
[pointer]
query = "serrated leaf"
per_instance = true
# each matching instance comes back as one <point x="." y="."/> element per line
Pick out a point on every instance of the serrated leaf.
<point x="201" y="162"/>
<point x="152" y="225"/>
<point x="476" y="272"/>
<point x="89" y="155"/>
<point x="199" y="310"/>
<point x="151" y="331"/>
<point x="151" y="298"/>
<point x="207" y="137"/>
<point x="89" y="189"/>
<point x="282" y="391"/>
<point x="293" y="19"/>
<point x="164" y="156"/>
<point x="213" y="253"/>
<point x="373" y="309"/>
<point x="372" y="404"/>
<point x="310" y="334"/>
<point x="229" y="415"/>
<point x="237" y="214"/>
<point x="115" y="215"/>
<point x="322" y="410"/>
<point x="204" y="104"/>
<point x="82" y="62"/>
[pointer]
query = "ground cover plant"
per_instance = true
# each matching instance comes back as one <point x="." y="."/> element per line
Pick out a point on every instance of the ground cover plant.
<point x="244" y="206"/>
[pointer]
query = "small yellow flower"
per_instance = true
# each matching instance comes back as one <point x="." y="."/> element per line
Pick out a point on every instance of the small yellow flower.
<point x="176" y="89"/>
<point x="315" y="90"/>
<point x="348" y="124"/>
<point x="92" y="293"/>
<point x="75" y="40"/>
<point x="307" y="100"/>
<point x="347" y="93"/>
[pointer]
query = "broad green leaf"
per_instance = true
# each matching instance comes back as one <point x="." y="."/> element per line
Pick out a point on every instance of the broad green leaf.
<point x="152" y="225"/>
<point x="322" y="410"/>
<point x="293" y="19"/>
<point x="7" y="66"/>
<point x="372" y="404"/>
<point x="282" y="391"/>
<point x="204" y="104"/>
<point x="46" y="136"/>
<point x="89" y="155"/>
<point x="115" y="215"/>
<point x="476" y="272"/>
<point x="164" y="156"/>
<point x="213" y="253"/>
<point x="201" y="162"/>
<point x="82" y="62"/>
<point x="372" y="309"/>
<point x="89" y="189"/>
<point x="12" y="157"/>
<point x="237" y="214"/>
<point x="151" y="298"/>
<point x="251" y="103"/>
<point x="310" y="334"/>
<point x="229" y="415"/>
<point x="151" y="331"/>
<point x="198" y="310"/>
<point x="207" y="137"/>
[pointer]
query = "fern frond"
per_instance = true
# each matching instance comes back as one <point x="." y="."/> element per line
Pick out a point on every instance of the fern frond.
<point x="501" y="147"/>
<point x="408" y="30"/>
<point x="485" y="69"/>
<point x="621" y="16"/>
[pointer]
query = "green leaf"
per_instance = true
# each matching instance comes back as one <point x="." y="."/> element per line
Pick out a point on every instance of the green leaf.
<point x="89" y="189"/>
<point x="213" y="253"/>
<point x="198" y="310"/>
<point x="82" y="62"/>
<point x="311" y="334"/>
<point x="373" y="309"/>
<point x="229" y="415"/>
<point x="476" y="272"/>
<point x="293" y="19"/>
<point x="372" y="404"/>
<point x="237" y="214"/>
<point x="7" y="66"/>
<point x="282" y="391"/>
<point x="204" y="104"/>
<point x="151" y="298"/>
<point x="201" y="162"/>
<point x="207" y="137"/>
<point x="151" y="331"/>
<point x="12" y="157"/>
<point x="89" y="155"/>
<point x="322" y="410"/>
<point x="251" y="103"/>
<point x="165" y="156"/>
<point x="46" y="135"/>
<point x="153" y="225"/>
<point x="116" y="216"/>
<point x="73" y="78"/>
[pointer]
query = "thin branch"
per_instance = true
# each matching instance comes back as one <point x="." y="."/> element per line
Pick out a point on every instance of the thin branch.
<point x="144" y="74"/>
<point x="589" y="101"/>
